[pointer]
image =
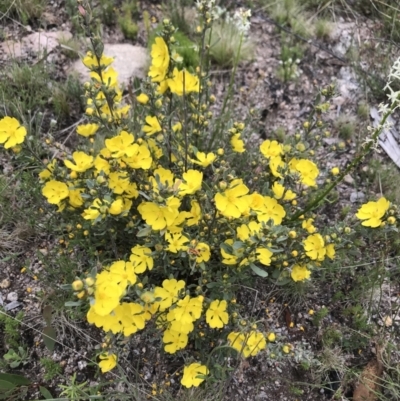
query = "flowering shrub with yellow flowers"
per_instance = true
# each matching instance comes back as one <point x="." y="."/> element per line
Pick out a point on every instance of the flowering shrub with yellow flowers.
<point x="186" y="208"/>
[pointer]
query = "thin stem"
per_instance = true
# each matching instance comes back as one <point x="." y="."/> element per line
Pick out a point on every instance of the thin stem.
<point x="314" y="203"/>
<point x="228" y="95"/>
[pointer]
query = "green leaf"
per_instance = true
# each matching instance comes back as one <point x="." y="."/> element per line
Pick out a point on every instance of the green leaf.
<point x="49" y="337"/>
<point x="47" y="314"/>
<point x="237" y="245"/>
<point x="144" y="232"/>
<point x="258" y="271"/>
<point x="283" y="281"/>
<point x="45" y="393"/>
<point x="15" y="364"/>
<point x="6" y="385"/>
<point x="15" y="379"/>
<point x="73" y="303"/>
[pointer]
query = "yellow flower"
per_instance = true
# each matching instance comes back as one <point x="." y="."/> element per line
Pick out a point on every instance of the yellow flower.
<point x="106" y="296"/>
<point x="122" y="273"/>
<point x="255" y="343"/>
<point x="48" y="171"/>
<point x="12" y="133"/>
<point x="183" y="82"/>
<point x="237" y="144"/>
<point x="176" y="242"/>
<point x="153" y="126"/>
<point x="93" y="212"/>
<point x="244" y="232"/>
<point x="271" y="149"/>
<point x="74" y="197"/>
<point x="87" y="129"/>
<point x="286" y="349"/>
<point x="174" y="341"/>
<point x="82" y="162"/>
<point x="160" y="217"/>
<point x="314" y="246"/>
<point x="203" y="252"/>
<point x="186" y="311"/>
<point x="120" y="145"/>
<point x="307" y="169"/>
<point x="55" y="191"/>
<point x="300" y="273"/>
<point x="131" y="316"/>
<point x="279" y="192"/>
<point x="194" y="215"/>
<point x="248" y="344"/>
<point x="271" y="210"/>
<point x="177" y="127"/>
<point x="271" y="337"/>
<point x="116" y="207"/>
<point x="193" y="375"/>
<point x="140" y="157"/>
<point x="216" y="315"/>
<point x="168" y="293"/>
<point x="232" y="202"/>
<point x="159" y="60"/>
<point x="330" y="251"/>
<point x="108" y="77"/>
<point x="335" y="171"/>
<point x="203" y="159"/>
<point x="142" y="98"/>
<point x="308" y="225"/>
<point x="276" y="165"/>
<point x="141" y="259"/>
<point x="108" y="362"/>
<point x="264" y="256"/>
<point x="90" y="60"/>
<point x="192" y="182"/>
<point x="373" y="212"/>
<point x="118" y="182"/>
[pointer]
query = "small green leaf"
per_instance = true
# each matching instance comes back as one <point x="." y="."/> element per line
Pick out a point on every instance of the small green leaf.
<point x="45" y="393"/>
<point x="47" y="314"/>
<point x="144" y="232"/>
<point x="49" y="337"/>
<point x="258" y="271"/>
<point x="15" y="379"/>
<point x="73" y="303"/>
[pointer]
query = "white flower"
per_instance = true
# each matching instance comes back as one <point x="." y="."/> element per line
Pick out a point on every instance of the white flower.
<point x="242" y="20"/>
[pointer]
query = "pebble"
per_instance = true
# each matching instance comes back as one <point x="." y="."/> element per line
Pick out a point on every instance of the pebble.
<point x="357" y="197"/>
<point x="12" y="305"/>
<point x="82" y="365"/>
<point x="348" y="179"/>
<point x="12" y="296"/>
<point x="5" y="283"/>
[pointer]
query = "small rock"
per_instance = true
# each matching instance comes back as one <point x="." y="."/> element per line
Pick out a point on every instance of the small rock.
<point x="5" y="283"/>
<point x="82" y="365"/>
<point x="43" y="251"/>
<point x="348" y="179"/>
<point x="35" y="42"/>
<point x="357" y="197"/>
<point x="129" y="61"/>
<point x="12" y="296"/>
<point x="12" y="305"/>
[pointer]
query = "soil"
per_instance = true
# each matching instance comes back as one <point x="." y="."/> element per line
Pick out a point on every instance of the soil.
<point x="280" y="104"/>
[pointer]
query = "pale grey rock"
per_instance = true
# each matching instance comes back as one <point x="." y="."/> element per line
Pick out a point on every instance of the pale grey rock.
<point x="348" y="179"/>
<point x="357" y="196"/>
<point x="36" y="42"/>
<point x="12" y="305"/>
<point x="12" y="296"/>
<point x="129" y="61"/>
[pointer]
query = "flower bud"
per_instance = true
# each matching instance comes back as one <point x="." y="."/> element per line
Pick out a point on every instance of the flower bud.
<point x="77" y="285"/>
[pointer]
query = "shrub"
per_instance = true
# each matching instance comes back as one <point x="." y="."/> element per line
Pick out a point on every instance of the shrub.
<point x="183" y="212"/>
